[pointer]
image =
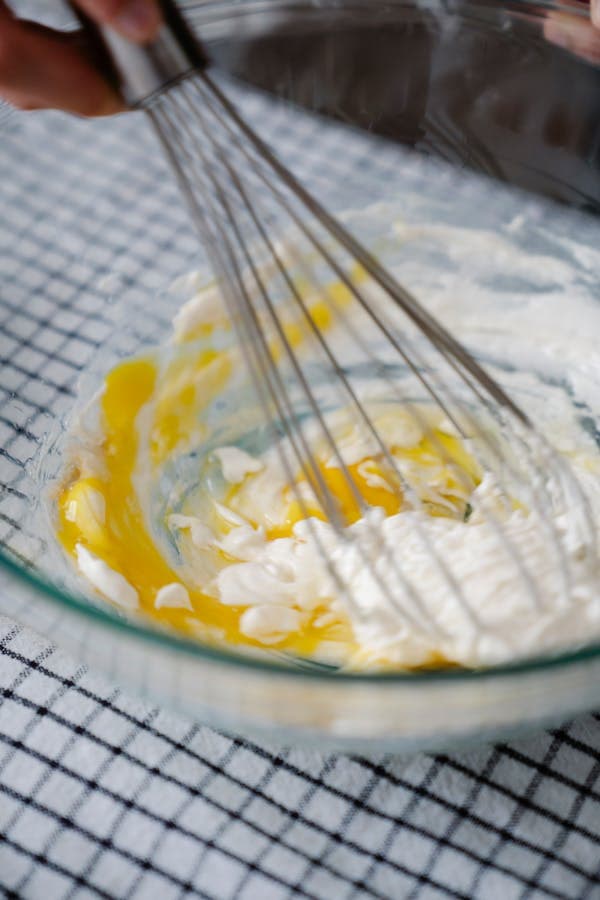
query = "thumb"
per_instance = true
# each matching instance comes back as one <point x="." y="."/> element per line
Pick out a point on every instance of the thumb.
<point x="138" y="20"/>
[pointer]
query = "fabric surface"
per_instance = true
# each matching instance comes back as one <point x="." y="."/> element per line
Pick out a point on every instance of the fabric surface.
<point x="105" y="796"/>
<point x="102" y="795"/>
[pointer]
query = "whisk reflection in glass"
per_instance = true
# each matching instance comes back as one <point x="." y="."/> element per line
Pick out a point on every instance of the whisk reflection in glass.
<point x="275" y="250"/>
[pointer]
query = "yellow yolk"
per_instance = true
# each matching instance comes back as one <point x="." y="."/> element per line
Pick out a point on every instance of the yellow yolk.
<point x="189" y="383"/>
<point x="337" y="483"/>
<point x="122" y="541"/>
<point x="102" y="510"/>
<point x="340" y="486"/>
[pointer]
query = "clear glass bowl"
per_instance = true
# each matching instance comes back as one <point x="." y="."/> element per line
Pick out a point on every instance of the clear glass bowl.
<point x="92" y="233"/>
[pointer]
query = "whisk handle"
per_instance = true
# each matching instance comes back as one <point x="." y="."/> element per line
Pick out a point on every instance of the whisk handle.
<point x="140" y="72"/>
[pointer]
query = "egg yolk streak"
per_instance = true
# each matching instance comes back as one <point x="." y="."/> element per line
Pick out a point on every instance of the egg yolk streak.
<point x="102" y="512"/>
<point x="99" y="507"/>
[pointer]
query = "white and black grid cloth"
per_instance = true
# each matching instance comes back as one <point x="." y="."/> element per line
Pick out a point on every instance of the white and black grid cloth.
<point x="105" y="796"/>
<point x="102" y="795"/>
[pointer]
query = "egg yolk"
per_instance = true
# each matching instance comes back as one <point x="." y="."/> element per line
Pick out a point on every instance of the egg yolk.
<point x="99" y="506"/>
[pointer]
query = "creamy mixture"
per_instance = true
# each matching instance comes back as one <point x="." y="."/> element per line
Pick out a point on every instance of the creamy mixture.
<point x="175" y="501"/>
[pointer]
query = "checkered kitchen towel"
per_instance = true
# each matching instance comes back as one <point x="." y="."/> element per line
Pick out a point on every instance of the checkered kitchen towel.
<point x="105" y="796"/>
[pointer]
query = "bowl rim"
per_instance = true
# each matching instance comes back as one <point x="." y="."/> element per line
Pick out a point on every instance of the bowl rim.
<point x="79" y="605"/>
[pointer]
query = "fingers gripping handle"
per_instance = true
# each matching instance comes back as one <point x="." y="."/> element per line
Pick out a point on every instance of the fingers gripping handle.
<point x="140" y="72"/>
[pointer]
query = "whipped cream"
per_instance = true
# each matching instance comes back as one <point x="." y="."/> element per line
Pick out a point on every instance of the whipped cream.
<point x="493" y="616"/>
<point x="107" y="581"/>
<point x="174" y="596"/>
<point x="236" y="463"/>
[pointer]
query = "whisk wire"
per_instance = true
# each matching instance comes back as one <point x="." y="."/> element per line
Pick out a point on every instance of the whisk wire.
<point x="226" y="160"/>
<point x="316" y="476"/>
<point x="424" y="321"/>
<point x="378" y="320"/>
<point x="424" y="622"/>
<point x="255" y="360"/>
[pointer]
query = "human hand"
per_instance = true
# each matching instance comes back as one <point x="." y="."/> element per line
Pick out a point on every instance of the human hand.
<point x="42" y="68"/>
<point x="575" y="32"/>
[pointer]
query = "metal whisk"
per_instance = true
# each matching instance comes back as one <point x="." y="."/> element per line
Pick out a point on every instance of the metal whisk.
<point x="276" y="251"/>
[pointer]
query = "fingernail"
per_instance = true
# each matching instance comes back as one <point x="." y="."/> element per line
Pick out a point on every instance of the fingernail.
<point x="595" y="10"/>
<point x="138" y="20"/>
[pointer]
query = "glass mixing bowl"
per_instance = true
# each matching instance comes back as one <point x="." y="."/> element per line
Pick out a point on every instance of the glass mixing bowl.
<point x="92" y="232"/>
